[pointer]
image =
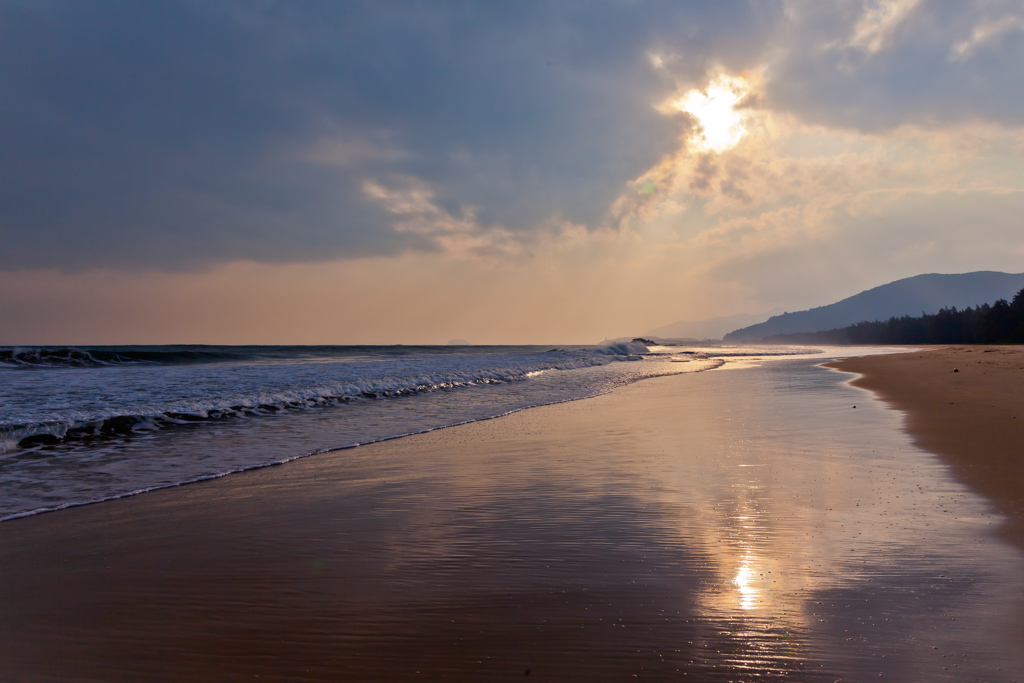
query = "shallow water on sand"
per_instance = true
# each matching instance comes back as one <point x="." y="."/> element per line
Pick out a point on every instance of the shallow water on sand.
<point x="734" y="525"/>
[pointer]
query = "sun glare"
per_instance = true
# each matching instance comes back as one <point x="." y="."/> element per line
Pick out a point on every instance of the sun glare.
<point x="721" y="126"/>
<point x="748" y="594"/>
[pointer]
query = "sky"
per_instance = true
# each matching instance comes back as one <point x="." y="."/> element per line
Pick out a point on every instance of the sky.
<point x="508" y="172"/>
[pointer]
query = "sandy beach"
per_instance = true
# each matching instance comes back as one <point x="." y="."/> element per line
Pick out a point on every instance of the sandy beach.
<point x="966" y="404"/>
<point x="736" y="524"/>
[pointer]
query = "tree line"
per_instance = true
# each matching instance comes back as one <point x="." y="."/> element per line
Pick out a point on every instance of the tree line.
<point x="998" y="323"/>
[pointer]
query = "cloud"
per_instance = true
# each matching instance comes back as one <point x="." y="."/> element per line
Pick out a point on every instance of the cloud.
<point x="417" y="213"/>
<point x="177" y="134"/>
<point x="180" y="134"/>
<point x="878" y="21"/>
<point x="617" y="160"/>
<point x="871" y="65"/>
<point x="985" y="32"/>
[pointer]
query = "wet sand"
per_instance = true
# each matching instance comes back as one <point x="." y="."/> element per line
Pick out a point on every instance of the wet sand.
<point x="733" y="525"/>
<point x="966" y="404"/>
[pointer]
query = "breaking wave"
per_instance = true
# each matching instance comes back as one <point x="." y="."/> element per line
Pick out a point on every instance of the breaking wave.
<point x="79" y="425"/>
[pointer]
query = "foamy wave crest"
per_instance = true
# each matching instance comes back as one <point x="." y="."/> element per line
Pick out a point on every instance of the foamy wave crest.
<point x="91" y="357"/>
<point x="52" y="357"/>
<point x="261" y="403"/>
<point x="104" y="356"/>
<point x="632" y="348"/>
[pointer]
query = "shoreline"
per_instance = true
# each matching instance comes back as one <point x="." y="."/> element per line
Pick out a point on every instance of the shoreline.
<point x="966" y="405"/>
<point x="709" y="523"/>
<point x="328" y="450"/>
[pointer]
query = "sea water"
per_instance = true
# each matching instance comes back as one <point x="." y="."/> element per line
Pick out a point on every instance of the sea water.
<point x="80" y="425"/>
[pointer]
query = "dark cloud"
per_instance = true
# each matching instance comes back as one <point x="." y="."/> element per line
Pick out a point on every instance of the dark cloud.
<point x="174" y="134"/>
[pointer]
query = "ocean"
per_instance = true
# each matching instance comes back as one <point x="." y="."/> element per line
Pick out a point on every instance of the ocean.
<point x="86" y="424"/>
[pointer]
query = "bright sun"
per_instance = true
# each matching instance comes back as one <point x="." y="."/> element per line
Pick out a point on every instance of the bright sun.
<point x="721" y="125"/>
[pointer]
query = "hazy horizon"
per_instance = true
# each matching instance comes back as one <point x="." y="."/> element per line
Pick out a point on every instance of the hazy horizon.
<point x="388" y="172"/>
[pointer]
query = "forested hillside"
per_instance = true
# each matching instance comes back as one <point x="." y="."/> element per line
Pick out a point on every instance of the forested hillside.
<point x="998" y="323"/>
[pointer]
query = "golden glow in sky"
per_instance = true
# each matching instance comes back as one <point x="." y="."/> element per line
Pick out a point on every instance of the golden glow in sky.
<point x="721" y="126"/>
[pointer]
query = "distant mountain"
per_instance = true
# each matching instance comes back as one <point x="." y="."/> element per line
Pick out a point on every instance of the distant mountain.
<point x="922" y="294"/>
<point x="708" y="329"/>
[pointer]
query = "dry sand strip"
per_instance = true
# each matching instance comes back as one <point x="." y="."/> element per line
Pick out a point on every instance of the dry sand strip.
<point x="966" y="404"/>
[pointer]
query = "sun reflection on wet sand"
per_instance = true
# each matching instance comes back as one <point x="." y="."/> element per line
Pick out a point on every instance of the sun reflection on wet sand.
<point x="744" y="583"/>
<point x="820" y="526"/>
